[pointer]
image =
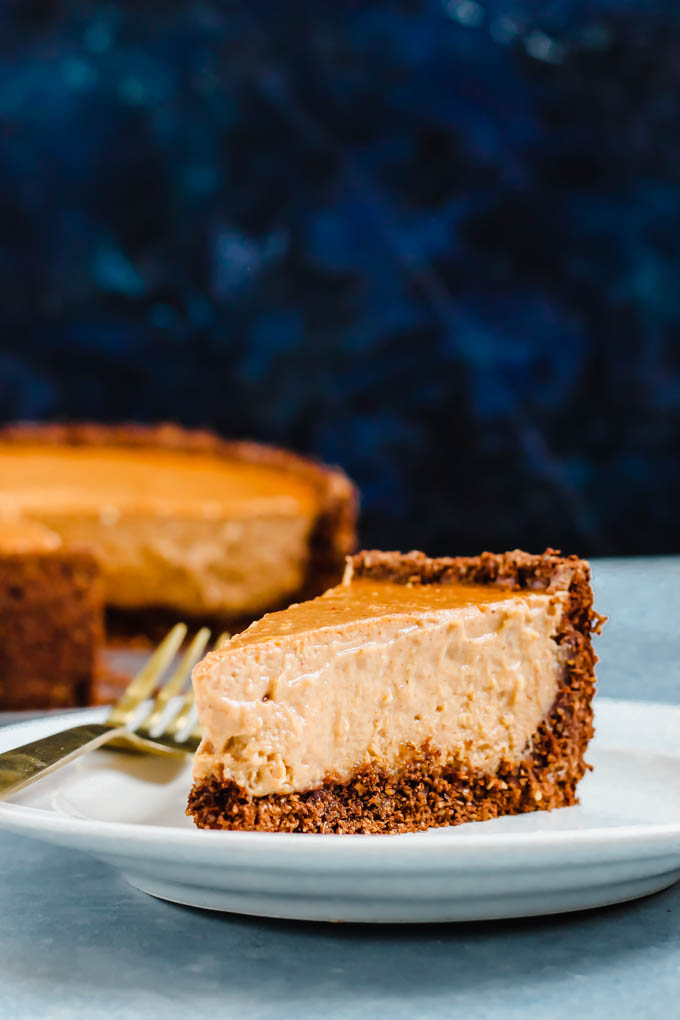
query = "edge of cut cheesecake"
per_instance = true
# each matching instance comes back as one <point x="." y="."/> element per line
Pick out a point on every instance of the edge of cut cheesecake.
<point x="51" y="627"/>
<point x="334" y="531"/>
<point x="427" y="791"/>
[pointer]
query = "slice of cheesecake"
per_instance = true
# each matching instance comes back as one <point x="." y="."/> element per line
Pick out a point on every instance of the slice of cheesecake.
<point x="181" y="521"/>
<point x="51" y="619"/>
<point x="419" y="692"/>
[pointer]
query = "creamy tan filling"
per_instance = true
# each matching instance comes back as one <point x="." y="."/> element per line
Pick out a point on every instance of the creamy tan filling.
<point x="20" y="537"/>
<point x="287" y="703"/>
<point x="238" y="566"/>
<point x="188" y="531"/>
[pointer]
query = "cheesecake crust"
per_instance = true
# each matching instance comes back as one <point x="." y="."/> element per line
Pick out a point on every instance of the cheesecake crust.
<point x="51" y="628"/>
<point x="427" y="791"/>
<point x="334" y="531"/>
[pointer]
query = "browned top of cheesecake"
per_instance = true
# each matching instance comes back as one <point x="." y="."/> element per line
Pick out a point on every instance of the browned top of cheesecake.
<point x="161" y="467"/>
<point x="367" y="598"/>
<point x="90" y="479"/>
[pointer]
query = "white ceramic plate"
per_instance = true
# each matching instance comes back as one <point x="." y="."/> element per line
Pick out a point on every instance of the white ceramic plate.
<point x="622" y="842"/>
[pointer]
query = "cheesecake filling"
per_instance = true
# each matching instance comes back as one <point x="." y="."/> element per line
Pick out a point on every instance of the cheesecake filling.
<point x="369" y="672"/>
<point x="234" y="567"/>
<point x="18" y="537"/>
<point x="194" y="532"/>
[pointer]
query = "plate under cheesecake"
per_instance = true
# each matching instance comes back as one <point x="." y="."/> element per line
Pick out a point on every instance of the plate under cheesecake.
<point x="621" y="841"/>
<point x="169" y="521"/>
<point x="418" y="693"/>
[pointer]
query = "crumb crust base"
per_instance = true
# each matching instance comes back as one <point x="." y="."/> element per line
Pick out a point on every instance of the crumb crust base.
<point x="51" y="630"/>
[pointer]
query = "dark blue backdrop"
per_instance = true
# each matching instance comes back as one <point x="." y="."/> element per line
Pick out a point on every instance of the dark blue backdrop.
<point x="434" y="242"/>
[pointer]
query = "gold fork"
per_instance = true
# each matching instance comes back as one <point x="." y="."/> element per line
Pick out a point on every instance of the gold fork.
<point x="134" y="722"/>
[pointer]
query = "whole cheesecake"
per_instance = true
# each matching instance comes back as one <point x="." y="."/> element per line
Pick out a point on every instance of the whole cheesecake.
<point x="182" y="521"/>
<point x="419" y="692"/>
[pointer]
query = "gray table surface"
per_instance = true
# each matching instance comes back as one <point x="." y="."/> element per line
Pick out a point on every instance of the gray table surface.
<point x="77" y="942"/>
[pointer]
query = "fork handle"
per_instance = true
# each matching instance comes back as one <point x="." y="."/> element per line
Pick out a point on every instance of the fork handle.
<point x="23" y="765"/>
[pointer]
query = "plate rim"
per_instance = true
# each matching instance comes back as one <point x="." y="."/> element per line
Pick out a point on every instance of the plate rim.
<point x="40" y="823"/>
